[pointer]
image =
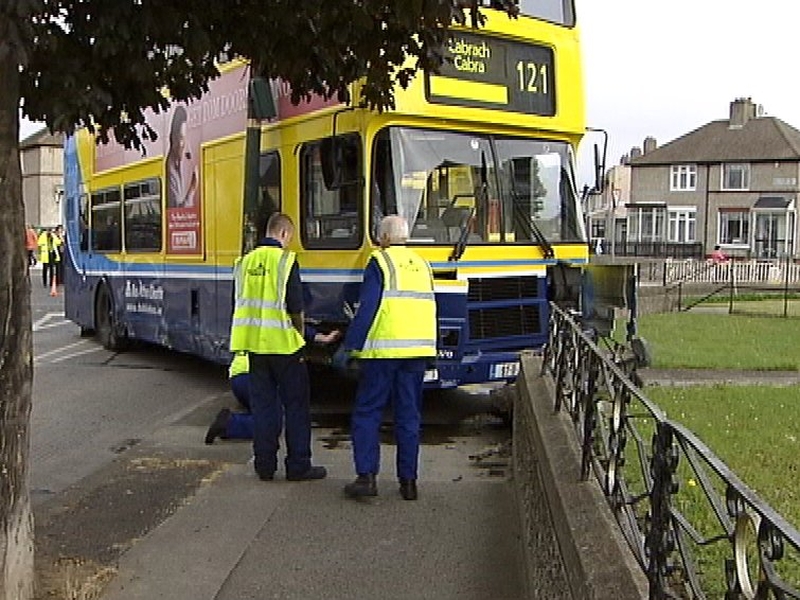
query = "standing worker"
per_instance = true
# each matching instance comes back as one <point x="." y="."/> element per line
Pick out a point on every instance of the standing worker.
<point x="268" y="324"/>
<point x="394" y="333"/>
<point x="48" y="255"/>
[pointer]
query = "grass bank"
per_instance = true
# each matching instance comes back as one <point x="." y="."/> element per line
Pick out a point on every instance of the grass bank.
<point x="720" y="341"/>
<point x="755" y="430"/>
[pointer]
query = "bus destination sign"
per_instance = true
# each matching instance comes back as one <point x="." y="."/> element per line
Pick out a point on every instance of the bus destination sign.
<point x="487" y="72"/>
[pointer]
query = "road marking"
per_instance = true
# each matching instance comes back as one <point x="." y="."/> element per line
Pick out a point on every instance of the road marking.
<point x="44" y="323"/>
<point x="61" y="349"/>
<point x="74" y="354"/>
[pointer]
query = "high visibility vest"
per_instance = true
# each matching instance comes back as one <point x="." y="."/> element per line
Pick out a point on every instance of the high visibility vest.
<point x="239" y="365"/>
<point x="405" y="322"/>
<point x="260" y="322"/>
<point x="49" y="243"/>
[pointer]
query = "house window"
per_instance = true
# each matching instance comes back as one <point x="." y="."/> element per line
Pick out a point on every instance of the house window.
<point x="681" y="224"/>
<point x="734" y="227"/>
<point x="736" y="176"/>
<point x="683" y="178"/>
<point x="646" y="223"/>
<point x="598" y="228"/>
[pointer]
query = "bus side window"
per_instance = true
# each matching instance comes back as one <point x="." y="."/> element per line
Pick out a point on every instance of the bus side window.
<point x="83" y="223"/>
<point x="331" y="218"/>
<point x="143" y="216"/>
<point x="106" y="224"/>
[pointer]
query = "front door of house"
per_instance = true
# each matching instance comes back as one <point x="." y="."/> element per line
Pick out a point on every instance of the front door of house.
<point x="770" y="234"/>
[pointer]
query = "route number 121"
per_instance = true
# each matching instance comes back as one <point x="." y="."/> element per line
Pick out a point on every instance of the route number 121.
<point x="532" y="77"/>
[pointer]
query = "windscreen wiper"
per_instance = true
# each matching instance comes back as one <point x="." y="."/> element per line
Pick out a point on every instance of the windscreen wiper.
<point x="529" y="223"/>
<point x="481" y="196"/>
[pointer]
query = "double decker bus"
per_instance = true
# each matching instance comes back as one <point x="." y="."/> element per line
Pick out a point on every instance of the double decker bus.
<point x="478" y="158"/>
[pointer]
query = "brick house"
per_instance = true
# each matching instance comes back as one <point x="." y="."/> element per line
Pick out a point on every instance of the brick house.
<point x="732" y="183"/>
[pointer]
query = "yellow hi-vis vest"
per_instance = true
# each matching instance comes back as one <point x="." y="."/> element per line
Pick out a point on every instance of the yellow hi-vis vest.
<point x="260" y="321"/>
<point x="405" y="323"/>
<point x="239" y="365"/>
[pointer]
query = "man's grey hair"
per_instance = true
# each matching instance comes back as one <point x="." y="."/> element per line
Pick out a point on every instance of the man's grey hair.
<point x="393" y="229"/>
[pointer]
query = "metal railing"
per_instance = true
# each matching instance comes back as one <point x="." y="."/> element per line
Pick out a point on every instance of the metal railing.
<point x="658" y="249"/>
<point x="683" y="512"/>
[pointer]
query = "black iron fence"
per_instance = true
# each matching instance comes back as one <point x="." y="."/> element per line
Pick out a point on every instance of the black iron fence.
<point x="694" y="527"/>
<point x="657" y="250"/>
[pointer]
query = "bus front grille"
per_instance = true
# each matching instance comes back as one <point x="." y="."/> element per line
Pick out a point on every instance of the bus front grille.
<point x="485" y="323"/>
<point x="502" y="288"/>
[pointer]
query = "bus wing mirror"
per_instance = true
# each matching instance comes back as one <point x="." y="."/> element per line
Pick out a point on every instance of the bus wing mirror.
<point x="598" y="170"/>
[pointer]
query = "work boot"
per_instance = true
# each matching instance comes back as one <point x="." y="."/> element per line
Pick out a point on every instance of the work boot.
<point x="362" y="487"/>
<point x="312" y="473"/>
<point x="219" y="427"/>
<point x="408" y="489"/>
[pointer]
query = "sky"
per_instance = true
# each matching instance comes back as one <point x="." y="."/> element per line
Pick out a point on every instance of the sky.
<point x="664" y="68"/>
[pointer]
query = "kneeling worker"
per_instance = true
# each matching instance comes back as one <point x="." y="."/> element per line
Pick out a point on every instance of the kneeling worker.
<point x="238" y="425"/>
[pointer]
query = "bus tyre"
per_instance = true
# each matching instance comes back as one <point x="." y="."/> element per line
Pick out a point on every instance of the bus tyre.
<point x="106" y="326"/>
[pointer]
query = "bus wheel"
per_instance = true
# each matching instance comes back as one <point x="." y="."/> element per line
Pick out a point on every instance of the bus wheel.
<point x="106" y="326"/>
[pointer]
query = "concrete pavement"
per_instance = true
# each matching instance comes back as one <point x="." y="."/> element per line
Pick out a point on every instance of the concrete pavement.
<point x="240" y="538"/>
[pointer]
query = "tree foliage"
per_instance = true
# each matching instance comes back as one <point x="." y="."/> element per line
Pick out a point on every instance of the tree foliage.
<point x="92" y="62"/>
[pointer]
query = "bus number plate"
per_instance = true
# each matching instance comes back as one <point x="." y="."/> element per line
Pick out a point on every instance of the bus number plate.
<point x="504" y="370"/>
<point x="431" y="375"/>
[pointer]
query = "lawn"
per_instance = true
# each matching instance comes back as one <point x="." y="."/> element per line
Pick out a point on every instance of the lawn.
<point x="705" y="340"/>
<point x="755" y="430"/>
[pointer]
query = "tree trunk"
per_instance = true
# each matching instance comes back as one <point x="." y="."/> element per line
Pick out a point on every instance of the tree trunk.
<point x="16" y="350"/>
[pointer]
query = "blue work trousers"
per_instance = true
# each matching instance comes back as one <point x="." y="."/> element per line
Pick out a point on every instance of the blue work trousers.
<point x="240" y="424"/>
<point x="382" y="380"/>
<point x="279" y="390"/>
<point x="240" y="386"/>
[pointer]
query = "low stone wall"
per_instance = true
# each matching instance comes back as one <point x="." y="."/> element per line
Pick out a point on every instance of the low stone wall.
<point x="594" y="557"/>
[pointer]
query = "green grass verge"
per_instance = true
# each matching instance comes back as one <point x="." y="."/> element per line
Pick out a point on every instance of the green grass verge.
<point x="720" y="341"/>
<point x="755" y="430"/>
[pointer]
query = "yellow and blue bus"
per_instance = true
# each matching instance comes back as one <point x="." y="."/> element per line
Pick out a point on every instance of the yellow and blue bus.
<point x="479" y="158"/>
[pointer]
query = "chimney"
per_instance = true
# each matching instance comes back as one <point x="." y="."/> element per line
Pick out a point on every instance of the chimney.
<point x="649" y="144"/>
<point x="624" y="159"/>
<point x="636" y="152"/>
<point x="742" y="110"/>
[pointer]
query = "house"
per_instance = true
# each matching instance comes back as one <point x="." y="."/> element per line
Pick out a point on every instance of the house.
<point x="605" y="212"/>
<point x="42" y="160"/>
<point x="732" y="183"/>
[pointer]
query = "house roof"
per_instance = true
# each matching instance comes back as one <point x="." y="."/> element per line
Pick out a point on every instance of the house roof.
<point x="760" y="139"/>
<point x="42" y="138"/>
